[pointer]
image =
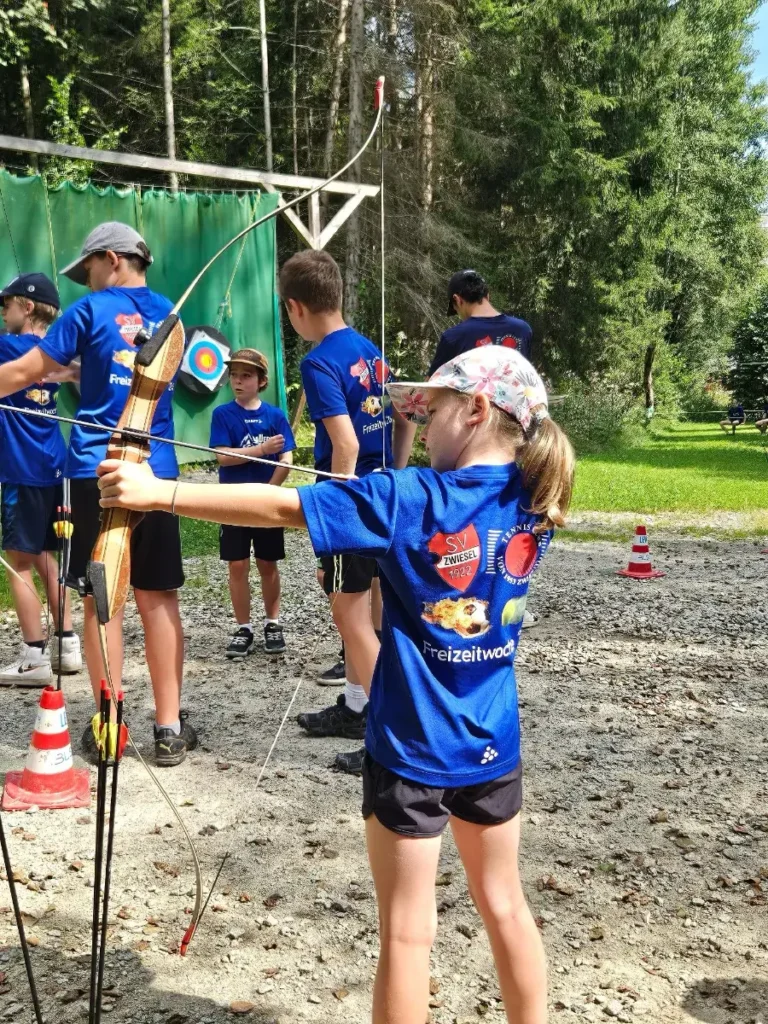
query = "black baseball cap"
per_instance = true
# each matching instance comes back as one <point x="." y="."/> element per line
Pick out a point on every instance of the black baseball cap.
<point x="35" y="287"/>
<point x="469" y="285"/>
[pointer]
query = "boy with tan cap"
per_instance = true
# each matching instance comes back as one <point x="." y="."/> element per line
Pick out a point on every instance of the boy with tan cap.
<point x="252" y="427"/>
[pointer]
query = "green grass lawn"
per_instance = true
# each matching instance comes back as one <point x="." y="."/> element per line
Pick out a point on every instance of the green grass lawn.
<point x="685" y="467"/>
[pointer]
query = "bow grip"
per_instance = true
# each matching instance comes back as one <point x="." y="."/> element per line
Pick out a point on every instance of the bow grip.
<point x="150" y="348"/>
<point x="378" y="92"/>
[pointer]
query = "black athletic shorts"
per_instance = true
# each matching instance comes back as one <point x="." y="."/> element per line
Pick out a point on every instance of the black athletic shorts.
<point x="236" y="543"/>
<point x="412" y="809"/>
<point x="155" y="543"/>
<point x="348" y="574"/>
<point x="28" y="514"/>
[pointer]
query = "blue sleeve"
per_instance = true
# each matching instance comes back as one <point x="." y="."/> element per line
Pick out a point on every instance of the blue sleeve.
<point x="351" y="516"/>
<point x="442" y="355"/>
<point x="325" y="395"/>
<point x="525" y="342"/>
<point x="284" y="427"/>
<point x="68" y="335"/>
<point x="221" y="435"/>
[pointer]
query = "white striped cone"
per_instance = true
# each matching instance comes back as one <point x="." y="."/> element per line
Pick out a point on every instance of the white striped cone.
<point x="49" y="779"/>
<point x="640" y="567"/>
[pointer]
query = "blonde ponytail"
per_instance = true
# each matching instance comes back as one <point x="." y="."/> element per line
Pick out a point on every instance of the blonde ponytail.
<point x="548" y="462"/>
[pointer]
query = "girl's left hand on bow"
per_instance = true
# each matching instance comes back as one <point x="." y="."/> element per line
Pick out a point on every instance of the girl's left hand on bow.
<point x="132" y="485"/>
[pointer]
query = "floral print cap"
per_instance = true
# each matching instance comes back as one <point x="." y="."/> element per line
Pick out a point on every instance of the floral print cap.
<point x="506" y="377"/>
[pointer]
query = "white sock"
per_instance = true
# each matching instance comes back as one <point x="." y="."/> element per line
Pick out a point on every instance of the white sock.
<point x="173" y="726"/>
<point x="354" y="697"/>
<point x="245" y="625"/>
<point x="271" y="622"/>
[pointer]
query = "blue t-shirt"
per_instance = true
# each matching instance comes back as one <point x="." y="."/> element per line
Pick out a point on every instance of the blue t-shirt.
<point x="483" y="330"/>
<point x="32" y="451"/>
<point x="456" y="551"/>
<point x="100" y="328"/>
<point x="344" y="376"/>
<point x="736" y="412"/>
<point x="233" y="426"/>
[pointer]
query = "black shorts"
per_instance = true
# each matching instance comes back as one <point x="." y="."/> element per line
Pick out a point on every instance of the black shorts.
<point x="348" y="574"/>
<point x="236" y="542"/>
<point x="155" y="543"/>
<point x="412" y="809"/>
<point x="28" y="514"/>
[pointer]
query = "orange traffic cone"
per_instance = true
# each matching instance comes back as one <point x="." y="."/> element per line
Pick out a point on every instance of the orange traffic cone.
<point x="640" y="567"/>
<point x="49" y="779"/>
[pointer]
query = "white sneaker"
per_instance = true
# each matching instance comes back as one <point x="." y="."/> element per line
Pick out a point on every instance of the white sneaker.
<point x="529" y="619"/>
<point x="32" y="669"/>
<point x="71" y="656"/>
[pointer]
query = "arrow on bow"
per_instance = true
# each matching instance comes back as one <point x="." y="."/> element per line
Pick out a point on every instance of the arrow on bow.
<point x="157" y="361"/>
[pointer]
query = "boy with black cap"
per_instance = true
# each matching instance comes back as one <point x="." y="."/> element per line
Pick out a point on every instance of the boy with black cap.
<point x="101" y="329"/>
<point x="252" y="427"/>
<point x="32" y="460"/>
<point x="481" y="323"/>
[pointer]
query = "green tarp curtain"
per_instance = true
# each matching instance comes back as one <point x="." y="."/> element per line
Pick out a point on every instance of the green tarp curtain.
<point x="44" y="228"/>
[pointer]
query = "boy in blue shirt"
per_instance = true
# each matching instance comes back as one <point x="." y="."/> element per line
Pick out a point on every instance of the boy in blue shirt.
<point x="249" y="426"/>
<point x="101" y="329"/>
<point x="343" y="377"/>
<point x="456" y="545"/>
<point x="32" y="456"/>
<point x="479" y="322"/>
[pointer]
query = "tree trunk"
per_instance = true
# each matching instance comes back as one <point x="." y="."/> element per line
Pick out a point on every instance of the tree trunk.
<point x="425" y="115"/>
<point x="650" y="397"/>
<point x="354" y="142"/>
<point x="294" y="113"/>
<point x="170" y="121"/>
<point x="265" y="81"/>
<point x="393" y="114"/>
<point x="29" y="117"/>
<point x="337" y="51"/>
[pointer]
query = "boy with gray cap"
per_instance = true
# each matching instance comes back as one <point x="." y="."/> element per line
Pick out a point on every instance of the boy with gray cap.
<point x="101" y="329"/>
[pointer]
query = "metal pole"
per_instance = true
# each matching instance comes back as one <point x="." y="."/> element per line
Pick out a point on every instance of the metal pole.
<point x="265" y="80"/>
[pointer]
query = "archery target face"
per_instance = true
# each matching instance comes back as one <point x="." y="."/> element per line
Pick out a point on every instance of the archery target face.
<point x="204" y="369"/>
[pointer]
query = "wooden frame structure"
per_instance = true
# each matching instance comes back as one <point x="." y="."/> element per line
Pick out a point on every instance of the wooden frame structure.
<point x="313" y="233"/>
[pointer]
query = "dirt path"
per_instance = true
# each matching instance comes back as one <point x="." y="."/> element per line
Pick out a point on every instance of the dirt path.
<point x="645" y="850"/>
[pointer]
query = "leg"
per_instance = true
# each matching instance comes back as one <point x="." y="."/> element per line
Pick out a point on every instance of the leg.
<point x="92" y="648"/>
<point x="377" y="609"/>
<point x="404" y="872"/>
<point x="352" y="615"/>
<point x="48" y="572"/>
<point x="489" y="855"/>
<point x="164" y="646"/>
<point x="24" y="601"/>
<point x="270" y="588"/>
<point x="240" y="590"/>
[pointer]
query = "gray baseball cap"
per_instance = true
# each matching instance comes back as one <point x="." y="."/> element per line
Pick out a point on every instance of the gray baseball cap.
<point x="111" y="235"/>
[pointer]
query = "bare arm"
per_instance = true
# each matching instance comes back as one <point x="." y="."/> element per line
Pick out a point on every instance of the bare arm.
<point x="281" y="475"/>
<point x="403" y="436"/>
<point x="65" y="374"/>
<point x="29" y="369"/>
<point x="234" y="456"/>
<point x="128" y="485"/>
<point x="344" y="442"/>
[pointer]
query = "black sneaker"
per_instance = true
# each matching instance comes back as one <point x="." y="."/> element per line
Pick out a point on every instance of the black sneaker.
<point x="241" y="643"/>
<point x="170" y="748"/>
<point x="337" y="720"/>
<point x="351" y="764"/>
<point x="334" y="676"/>
<point x="274" y="641"/>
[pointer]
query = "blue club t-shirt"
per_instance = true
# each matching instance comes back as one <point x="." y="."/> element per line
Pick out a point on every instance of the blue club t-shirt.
<point x="483" y="330"/>
<point x="32" y="451"/>
<point x="456" y="552"/>
<point x="233" y="426"/>
<point x="344" y="375"/>
<point x="101" y="328"/>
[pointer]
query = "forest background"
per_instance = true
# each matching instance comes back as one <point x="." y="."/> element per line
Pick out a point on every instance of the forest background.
<point x="601" y="162"/>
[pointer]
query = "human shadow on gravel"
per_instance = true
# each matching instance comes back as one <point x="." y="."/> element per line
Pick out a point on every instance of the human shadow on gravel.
<point x="727" y="1000"/>
<point x="63" y="989"/>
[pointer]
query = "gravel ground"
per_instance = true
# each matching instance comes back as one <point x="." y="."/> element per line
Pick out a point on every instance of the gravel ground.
<point x="645" y="846"/>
